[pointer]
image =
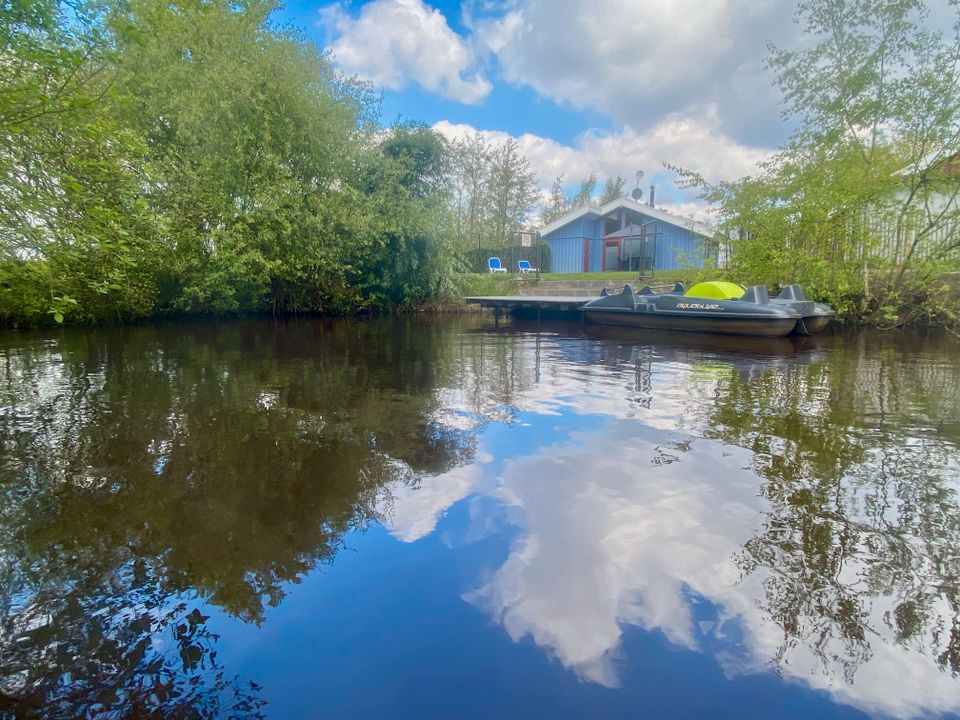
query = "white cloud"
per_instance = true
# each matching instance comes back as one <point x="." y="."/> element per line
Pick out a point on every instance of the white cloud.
<point x="606" y="545"/>
<point x="603" y="550"/>
<point x="395" y="42"/>
<point x="638" y="62"/>
<point x="695" y="143"/>
<point x="414" y="510"/>
<point x="609" y="538"/>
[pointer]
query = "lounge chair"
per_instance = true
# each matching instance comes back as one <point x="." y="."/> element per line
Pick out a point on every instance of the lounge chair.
<point x="524" y="267"/>
<point x="495" y="265"/>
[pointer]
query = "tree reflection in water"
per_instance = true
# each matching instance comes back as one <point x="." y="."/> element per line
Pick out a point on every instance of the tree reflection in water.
<point x="148" y="471"/>
<point x="150" y="474"/>
<point x="862" y="542"/>
<point x="853" y="563"/>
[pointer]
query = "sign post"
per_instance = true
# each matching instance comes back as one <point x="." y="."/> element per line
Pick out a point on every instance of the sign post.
<point x="538" y="258"/>
<point x="526" y="240"/>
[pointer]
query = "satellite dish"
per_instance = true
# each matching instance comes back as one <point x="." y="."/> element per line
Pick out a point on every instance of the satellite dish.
<point x="636" y="193"/>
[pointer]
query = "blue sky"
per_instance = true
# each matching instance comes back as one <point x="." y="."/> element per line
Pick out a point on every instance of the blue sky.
<point x="602" y="86"/>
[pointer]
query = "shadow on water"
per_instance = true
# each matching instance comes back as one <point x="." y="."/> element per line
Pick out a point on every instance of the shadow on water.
<point x="146" y="469"/>
<point x="147" y="473"/>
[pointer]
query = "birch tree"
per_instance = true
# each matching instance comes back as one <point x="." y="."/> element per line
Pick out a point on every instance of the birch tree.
<point x="861" y="204"/>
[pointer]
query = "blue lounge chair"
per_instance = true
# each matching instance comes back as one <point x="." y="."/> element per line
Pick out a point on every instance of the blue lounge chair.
<point x="495" y="265"/>
<point x="524" y="267"/>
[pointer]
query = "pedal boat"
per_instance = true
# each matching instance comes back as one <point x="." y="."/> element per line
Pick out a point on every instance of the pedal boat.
<point x="814" y="316"/>
<point x="750" y="314"/>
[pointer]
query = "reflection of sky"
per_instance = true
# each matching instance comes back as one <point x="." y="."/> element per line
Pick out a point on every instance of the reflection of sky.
<point x="622" y="524"/>
<point x="601" y="534"/>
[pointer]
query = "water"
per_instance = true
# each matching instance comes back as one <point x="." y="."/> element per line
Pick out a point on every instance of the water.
<point x="440" y="518"/>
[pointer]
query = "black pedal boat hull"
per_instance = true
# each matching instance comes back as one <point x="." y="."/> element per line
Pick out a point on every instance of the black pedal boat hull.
<point x="814" y="317"/>
<point x="753" y="314"/>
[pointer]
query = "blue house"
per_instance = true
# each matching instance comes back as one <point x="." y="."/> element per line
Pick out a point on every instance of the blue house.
<point x="626" y="235"/>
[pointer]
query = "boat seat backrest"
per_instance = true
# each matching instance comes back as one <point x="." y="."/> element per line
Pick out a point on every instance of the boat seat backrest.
<point x="792" y="292"/>
<point x="756" y="294"/>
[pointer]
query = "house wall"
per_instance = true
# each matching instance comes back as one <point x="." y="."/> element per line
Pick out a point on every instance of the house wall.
<point x="676" y="247"/>
<point x="566" y="245"/>
<point x="566" y="254"/>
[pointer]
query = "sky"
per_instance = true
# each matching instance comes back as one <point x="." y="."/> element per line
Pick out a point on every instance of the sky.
<point x="585" y="86"/>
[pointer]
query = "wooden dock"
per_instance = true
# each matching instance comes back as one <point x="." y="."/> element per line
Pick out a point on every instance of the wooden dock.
<point x="568" y="305"/>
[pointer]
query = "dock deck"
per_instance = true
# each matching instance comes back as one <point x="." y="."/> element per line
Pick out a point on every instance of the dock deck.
<point x="569" y="304"/>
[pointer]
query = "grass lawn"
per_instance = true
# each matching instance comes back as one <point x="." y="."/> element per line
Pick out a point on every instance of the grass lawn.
<point x="660" y="277"/>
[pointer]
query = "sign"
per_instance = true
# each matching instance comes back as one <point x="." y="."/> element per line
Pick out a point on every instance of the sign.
<point x="525" y="239"/>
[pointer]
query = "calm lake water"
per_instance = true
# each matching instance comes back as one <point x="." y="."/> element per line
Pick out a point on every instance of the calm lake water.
<point x="437" y="518"/>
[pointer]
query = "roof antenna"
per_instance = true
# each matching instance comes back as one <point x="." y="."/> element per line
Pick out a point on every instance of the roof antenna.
<point x="637" y="193"/>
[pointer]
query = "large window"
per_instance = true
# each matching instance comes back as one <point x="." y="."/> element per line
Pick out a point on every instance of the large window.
<point x="639" y="253"/>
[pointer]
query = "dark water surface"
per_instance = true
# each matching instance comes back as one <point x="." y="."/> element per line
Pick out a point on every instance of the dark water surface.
<point x="437" y="518"/>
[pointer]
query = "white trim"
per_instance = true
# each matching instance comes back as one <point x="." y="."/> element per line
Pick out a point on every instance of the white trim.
<point x="569" y="217"/>
<point x="925" y="163"/>
<point x="692" y="225"/>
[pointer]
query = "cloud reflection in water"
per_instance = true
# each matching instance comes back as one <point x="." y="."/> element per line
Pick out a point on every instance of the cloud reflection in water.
<point x="644" y="521"/>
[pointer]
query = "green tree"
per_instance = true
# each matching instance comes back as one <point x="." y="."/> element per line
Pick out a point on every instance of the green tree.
<point x="75" y="235"/>
<point x="861" y="204"/>
<point x="409" y="256"/>
<point x="192" y="157"/>
<point x="512" y="192"/>
<point x="557" y="205"/>
<point x="584" y="194"/>
<point x="470" y="178"/>
<point x="613" y="189"/>
<point x="253" y="146"/>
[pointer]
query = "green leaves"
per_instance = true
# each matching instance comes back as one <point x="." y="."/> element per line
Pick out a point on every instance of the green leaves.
<point x="60" y="305"/>
<point x="183" y="157"/>
<point x="859" y="205"/>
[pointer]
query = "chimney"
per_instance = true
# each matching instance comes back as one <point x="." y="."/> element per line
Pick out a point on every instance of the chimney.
<point x="652" y="188"/>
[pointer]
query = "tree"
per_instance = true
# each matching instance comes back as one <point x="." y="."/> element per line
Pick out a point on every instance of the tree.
<point x="470" y="180"/>
<point x="557" y="205"/>
<point x="75" y="236"/>
<point x="410" y="256"/>
<point x="860" y="204"/>
<point x="191" y="157"/>
<point x="584" y="194"/>
<point x="512" y="192"/>
<point x="253" y="192"/>
<point x="613" y="189"/>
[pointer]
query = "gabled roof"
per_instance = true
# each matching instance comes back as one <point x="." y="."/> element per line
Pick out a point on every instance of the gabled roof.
<point x="600" y="211"/>
<point x="937" y="157"/>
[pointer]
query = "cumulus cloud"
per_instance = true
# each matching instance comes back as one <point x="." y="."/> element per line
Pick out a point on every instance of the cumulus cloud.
<point x="603" y="548"/>
<point x="413" y="511"/>
<point x="640" y="61"/>
<point x="696" y="143"/>
<point x="606" y="538"/>
<point x="397" y="42"/>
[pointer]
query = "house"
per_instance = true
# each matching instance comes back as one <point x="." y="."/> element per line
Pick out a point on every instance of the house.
<point x="626" y="235"/>
<point x="922" y="221"/>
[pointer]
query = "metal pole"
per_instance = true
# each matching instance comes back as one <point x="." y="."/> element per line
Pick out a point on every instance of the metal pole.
<point x="538" y="256"/>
